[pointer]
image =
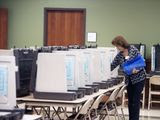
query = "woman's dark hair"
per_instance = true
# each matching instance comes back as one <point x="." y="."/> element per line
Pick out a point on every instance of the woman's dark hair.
<point x="120" y="41"/>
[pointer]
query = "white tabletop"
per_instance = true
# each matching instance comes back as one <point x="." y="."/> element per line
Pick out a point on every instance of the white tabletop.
<point x="4" y="113"/>
<point x="31" y="117"/>
<point x="30" y="100"/>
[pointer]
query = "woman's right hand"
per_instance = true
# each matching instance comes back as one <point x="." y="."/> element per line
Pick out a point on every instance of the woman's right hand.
<point x="134" y="71"/>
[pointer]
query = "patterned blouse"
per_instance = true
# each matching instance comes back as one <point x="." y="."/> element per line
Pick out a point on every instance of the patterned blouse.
<point x="120" y="59"/>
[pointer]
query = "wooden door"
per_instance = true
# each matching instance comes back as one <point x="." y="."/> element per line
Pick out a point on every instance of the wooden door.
<point x="3" y="28"/>
<point x="64" y="27"/>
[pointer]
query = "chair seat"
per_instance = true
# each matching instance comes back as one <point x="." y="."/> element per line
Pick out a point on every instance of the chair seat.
<point x="155" y="92"/>
<point x="102" y="106"/>
<point x="155" y="101"/>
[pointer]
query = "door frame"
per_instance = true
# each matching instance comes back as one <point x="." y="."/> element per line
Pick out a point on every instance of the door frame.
<point x="61" y="9"/>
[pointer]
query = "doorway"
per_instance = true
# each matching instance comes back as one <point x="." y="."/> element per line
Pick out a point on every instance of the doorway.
<point x="63" y="27"/>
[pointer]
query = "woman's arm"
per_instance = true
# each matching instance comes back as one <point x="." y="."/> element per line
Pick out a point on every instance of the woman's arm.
<point x="117" y="61"/>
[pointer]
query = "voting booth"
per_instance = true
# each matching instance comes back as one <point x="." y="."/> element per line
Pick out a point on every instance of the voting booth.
<point x="25" y="59"/>
<point x="51" y="77"/>
<point x="142" y="48"/>
<point x="26" y="62"/>
<point x="7" y="82"/>
<point x="155" y="58"/>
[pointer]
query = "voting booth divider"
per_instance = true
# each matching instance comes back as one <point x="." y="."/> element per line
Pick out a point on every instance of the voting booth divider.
<point x="61" y="74"/>
<point x="71" y="74"/>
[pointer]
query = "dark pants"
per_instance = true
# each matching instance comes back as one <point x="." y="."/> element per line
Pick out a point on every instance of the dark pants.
<point x="134" y="94"/>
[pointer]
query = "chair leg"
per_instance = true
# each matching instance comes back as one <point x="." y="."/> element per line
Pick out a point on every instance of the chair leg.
<point x="89" y="117"/>
<point x="115" y="117"/>
<point x="122" y="113"/>
<point x="149" y="101"/>
<point x="123" y="99"/>
<point x="107" y="113"/>
<point x="115" y="106"/>
<point x="143" y="104"/>
<point x="115" y="112"/>
<point x="76" y="117"/>
<point x="85" y="118"/>
<point x="103" y="116"/>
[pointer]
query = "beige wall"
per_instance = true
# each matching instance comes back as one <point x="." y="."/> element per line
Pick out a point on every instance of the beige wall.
<point x="137" y="20"/>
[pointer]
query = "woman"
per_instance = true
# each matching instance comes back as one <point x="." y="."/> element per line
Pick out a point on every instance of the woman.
<point x="135" y="81"/>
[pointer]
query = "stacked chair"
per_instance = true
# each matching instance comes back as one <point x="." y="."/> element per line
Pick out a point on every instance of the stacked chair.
<point x="93" y="109"/>
<point x="154" y="75"/>
<point x="84" y="112"/>
<point x="154" y="83"/>
<point x="109" y="106"/>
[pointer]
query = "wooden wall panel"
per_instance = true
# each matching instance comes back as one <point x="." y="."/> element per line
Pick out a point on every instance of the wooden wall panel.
<point x="3" y="28"/>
